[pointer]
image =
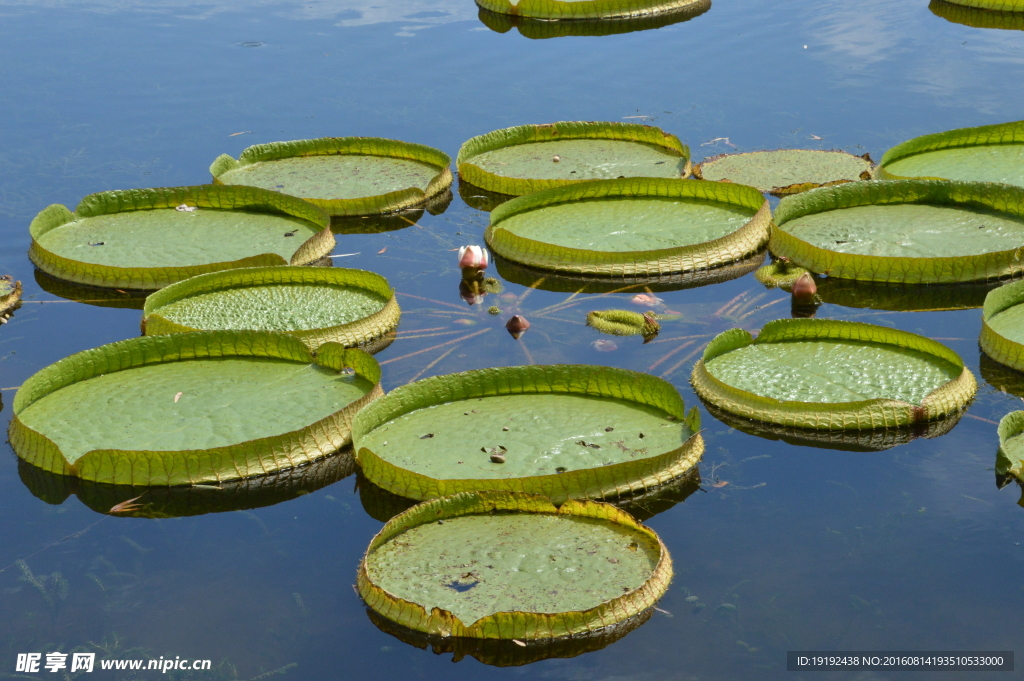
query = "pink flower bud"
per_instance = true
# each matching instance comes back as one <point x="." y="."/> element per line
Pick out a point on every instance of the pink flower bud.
<point x="517" y="326"/>
<point x="472" y="257"/>
<point x="646" y="300"/>
<point x="804" y="289"/>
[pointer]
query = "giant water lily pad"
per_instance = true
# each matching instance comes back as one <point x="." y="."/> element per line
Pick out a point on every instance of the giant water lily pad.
<point x="540" y="29"/>
<point x="786" y="171"/>
<point x="191" y="408"/>
<point x="1002" y="325"/>
<point x="832" y="375"/>
<point x="529" y="158"/>
<point x="998" y="5"/>
<point x="977" y="18"/>
<point x="904" y="231"/>
<point x="566" y="431"/>
<point x="505" y="565"/>
<point x="315" y="304"/>
<point x="1010" y="458"/>
<point x="633" y="227"/>
<point x="149" y="238"/>
<point x="342" y="175"/>
<point x="989" y="153"/>
<point x="587" y="9"/>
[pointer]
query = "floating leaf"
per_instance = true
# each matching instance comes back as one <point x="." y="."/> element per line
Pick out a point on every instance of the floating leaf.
<point x="786" y="171"/>
<point x="1002" y="325"/>
<point x="1010" y="457"/>
<point x="989" y="153"/>
<point x="779" y="274"/>
<point x="624" y="323"/>
<point x="633" y="227"/>
<point x="537" y="413"/>
<point x="667" y="13"/>
<point x="409" y="568"/>
<point x="934" y="231"/>
<point x="978" y="18"/>
<point x="147" y="244"/>
<point x="342" y="175"/>
<point x="315" y="304"/>
<point x="520" y="161"/>
<point x="257" y="402"/>
<point x="832" y="375"/>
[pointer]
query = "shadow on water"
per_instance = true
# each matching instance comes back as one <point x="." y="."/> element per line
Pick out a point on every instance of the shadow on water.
<point x="904" y="297"/>
<point x="538" y="29"/>
<point x="1000" y="376"/>
<point x="174" y="502"/>
<point x="391" y="222"/>
<point x="977" y="18"/>
<point x="91" y="295"/>
<point x="481" y="199"/>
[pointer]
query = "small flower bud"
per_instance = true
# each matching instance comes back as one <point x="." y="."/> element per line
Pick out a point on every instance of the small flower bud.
<point x="517" y="326"/>
<point x="473" y="257"/>
<point x="804" y="289"/>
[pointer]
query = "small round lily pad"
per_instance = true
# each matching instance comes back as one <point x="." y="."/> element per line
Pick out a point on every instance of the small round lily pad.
<point x="342" y="175"/>
<point x="10" y="296"/>
<point x="529" y="158"/>
<point x="633" y="227"/>
<point x="315" y="304"/>
<point x="567" y="431"/>
<point x="149" y="238"/>
<point x="190" y="408"/>
<point x="832" y="375"/>
<point x="989" y="153"/>
<point x="786" y="171"/>
<point x="978" y="18"/>
<point x="540" y="29"/>
<point x="904" y="231"/>
<point x="506" y="565"/>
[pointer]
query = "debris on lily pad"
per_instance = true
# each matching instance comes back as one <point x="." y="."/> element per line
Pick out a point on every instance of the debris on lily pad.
<point x="786" y="171"/>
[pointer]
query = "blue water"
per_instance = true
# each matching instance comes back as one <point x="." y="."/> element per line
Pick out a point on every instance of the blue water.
<point x="909" y="548"/>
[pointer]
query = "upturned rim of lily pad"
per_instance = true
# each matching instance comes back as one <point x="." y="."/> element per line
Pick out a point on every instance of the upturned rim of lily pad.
<point x="790" y="189"/>
<point x="1000" y="348"/>
<point x="947" y="399"/>
<point x="1010" y="426"/>
<point x="992" y="196"/>
<point x="193" y="466"/>
<point x="357" y="333"/>
<point x="535" y="28"/>
<point x="209" y="197"/>
<point x="626" y="477"/>
<point x="737" y="245"/>
<point x="983" y="135"/>
<point x="390" y="202"/>
<point x="547" y="132"/>
<point x="522" y="626"/>
<point x="977" y="18"/>
<point x="997" y="5"/>
<point x="557" y="10"/>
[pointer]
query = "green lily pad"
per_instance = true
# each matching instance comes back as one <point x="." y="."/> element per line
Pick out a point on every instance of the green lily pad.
<point x="540" y="29"/>
<point x="567" y="431"/>
<point x="633" y="227"/>
<point x="529" y="158"/>
<point x="1002" y="325"/>
<point x="188" y="500"/>
<point x="989" y="153"/>
<point x="998" y="5"/>
<point x="779" y="274"/>
<point x="507" y="565"/>
<point x="832" y="375"/>
<point x="786" y="171"/>
<point x="904" y="231"/>
<point x="587" y="9"/>
<point x="978" y="18"/>
<point x="149" y="238"/>
<point x="191" y="408"/>
<point x="342" y="175"/>
<point x="10" y="295"/>
<point x="315" y="304"/>
<point x="1010" y="458"/>
<point x="624" y="323"/>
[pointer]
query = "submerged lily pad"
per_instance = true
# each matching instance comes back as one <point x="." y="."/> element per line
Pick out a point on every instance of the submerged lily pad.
<point x="989" y="153"/>
<point x="832" y="375"/>
<point x="978" y="18"/>
<point x="539" y="29"/>
<point x="315" y="304"/>
<point x="786" y="171"/>
<point x="10" y="295"/>
<point x="905" y="231"/>
<point x="506" y="565"/>
<point x="149" y="238"/>
<point x="1002" y="325"/>
<point x="191" y="408"/>
<point x="529" y="158"/>
<point x="632" y="227"/>
<point x="342" y="175"/>
<point x="567" y="431"/>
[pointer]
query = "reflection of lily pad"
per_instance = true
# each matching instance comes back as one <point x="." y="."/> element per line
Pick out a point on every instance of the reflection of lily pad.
<point x="315" y="304"/>
<point x="877" y="295"/>
<point x="875" y="440"/>
<point x="907" y="231"/>
<point x="480" y="565"/>
<point x="529" y="158"/>
<point x="191" y="408"/>
<point x="567" y="431"/>
<point x="10" y="295"/>
<point x="481" y="199"/>
<point x="1002" y="325"/>
<point x="632" y="227"/>
<point x="832" y="375"/>
<point x="546" y="280"/>
<point x="978" y="18"/>
<point x="989" y="153"/>
<point x="539" y="29"/>
<point x="1000" y="376"/>
<point x="342" y="175"/>
<point x="499" y="652"/>
<point x="128" y="299"/>
<point x="189" y="500"/>
<point x="786" y="171"/>
<point x="149" y="238"/>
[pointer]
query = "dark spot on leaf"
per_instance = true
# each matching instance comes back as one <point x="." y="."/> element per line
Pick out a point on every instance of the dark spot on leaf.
<point x="460" y="587"/>
<point x="608" y="429"/>
<point x="584" y="443"/>
<point x="613" y="560"/>
<point x="291" y="233"/>
<point x="641" y="436"/>
<point x="98" y="243"/>
<point x="561" y="469"/>
<point x="842" y="242"/>
<point x="658" y="163"/>
<point x="981" y="226"/>
<point x="427" y="436"/>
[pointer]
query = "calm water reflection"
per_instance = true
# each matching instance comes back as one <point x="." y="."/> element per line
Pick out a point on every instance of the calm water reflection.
<point x="781" y="546"/>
